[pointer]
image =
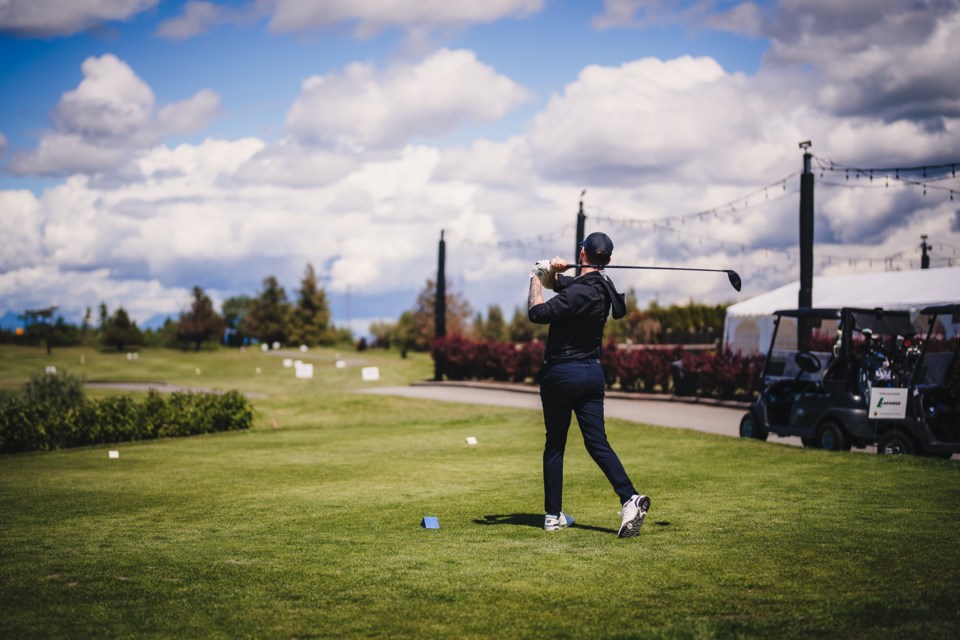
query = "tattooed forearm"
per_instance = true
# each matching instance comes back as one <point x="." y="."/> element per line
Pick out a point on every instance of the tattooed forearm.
<point x="535" y="295"/>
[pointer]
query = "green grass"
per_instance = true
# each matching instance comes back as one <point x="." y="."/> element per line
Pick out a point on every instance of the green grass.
<point x="311" y="529"/>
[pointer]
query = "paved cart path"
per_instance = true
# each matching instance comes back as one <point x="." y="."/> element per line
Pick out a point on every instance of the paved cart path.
<point x="666" y="411"/>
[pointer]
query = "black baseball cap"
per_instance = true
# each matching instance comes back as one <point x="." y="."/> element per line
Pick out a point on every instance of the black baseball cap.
<point x="599" y="247"/>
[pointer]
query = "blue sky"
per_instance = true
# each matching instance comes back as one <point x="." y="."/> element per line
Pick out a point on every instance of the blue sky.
<point x="149" y="146"/>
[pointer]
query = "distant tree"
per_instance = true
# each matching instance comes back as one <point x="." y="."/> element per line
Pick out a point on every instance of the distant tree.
<point x="495" y="328"/>
<point x="165" y="336"/>
<point x="201" y="323"/>
<point x="384" y="334"/>
<point x="121" y="332"/>
<point x="235" y="309"/>
<point x="407" y="333"/>
<point x="310" y="318"/>
<point x="39" y="326"/>
<point x="85" y="327"/>
<point x="104" y="318"/>
<point x="522" y="330"/>
<point x="477" y="327"/>
<point x="269" y="314"/>
<point x="423" y="315"/>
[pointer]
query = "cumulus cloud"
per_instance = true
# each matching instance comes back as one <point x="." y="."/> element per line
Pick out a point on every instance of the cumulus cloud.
<point x="190" y="115"/>
<point x="56" y="18"/>
<point x="111" y="101"/>
<point x="75" y="291"/>
<point x="372" y="16"/>
<point x="504" y="164"/>
<point x="21" y="229"/>
<point x="363" y="107"/>
<point x="884" y="59"/>
<point x="651" y="117"/>
<point x="109" y="116"/>
<point x="201" y="17"/>
<point x="294" y="165"/>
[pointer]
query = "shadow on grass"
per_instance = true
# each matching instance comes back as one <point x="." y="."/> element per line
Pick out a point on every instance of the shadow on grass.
<point x="532" y="520"/>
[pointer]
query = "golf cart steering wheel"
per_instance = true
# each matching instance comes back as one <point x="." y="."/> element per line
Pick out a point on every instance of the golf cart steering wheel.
<point x="807" y="362"/>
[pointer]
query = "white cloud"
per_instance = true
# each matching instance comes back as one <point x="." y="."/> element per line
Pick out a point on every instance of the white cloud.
<point x="190" y="115"/>
<point x="111" y="101"/>
<point x="66" y="153"/>
<point x="74" y="291"/>
<point x="885" y="59"/>
<point x="505" y="164"/>
<point x="57" y="18"/>
<point x="201" y="17"/>
<point x="294" y="165"/>
<point x="21" y="229"/>
<point x="647" y="117"/>
<point x="371" y="16"/>
<point x="109" y="117"/>
<point x="362" y="108"/>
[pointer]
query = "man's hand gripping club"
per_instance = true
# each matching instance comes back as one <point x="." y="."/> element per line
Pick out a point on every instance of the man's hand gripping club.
<point x="544" y="274"/>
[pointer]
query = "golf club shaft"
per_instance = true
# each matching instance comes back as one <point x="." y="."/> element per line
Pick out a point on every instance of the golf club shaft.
<point x="732" y="275"/>
<point x="631" y="266"/>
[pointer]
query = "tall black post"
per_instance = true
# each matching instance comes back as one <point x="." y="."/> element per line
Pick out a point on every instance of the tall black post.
<point x="925" y="257"/>
<point x="581" y="224"/>
<point x="440" y="305"/>
<point x="806" y="246"/>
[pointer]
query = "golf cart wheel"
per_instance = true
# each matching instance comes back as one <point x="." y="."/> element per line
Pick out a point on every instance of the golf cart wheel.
<point x="750" y="427"/>
<point x="809" y="443"/>
<point x="830" y="437"/>
<point x="896" y="443"/>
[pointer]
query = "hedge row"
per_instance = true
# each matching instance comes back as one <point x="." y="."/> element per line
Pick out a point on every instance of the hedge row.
<point x="31" y="424"/>
<point x="719" y="374"/>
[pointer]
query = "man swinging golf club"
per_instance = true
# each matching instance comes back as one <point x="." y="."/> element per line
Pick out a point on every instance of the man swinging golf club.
<point x="572" y="379"/>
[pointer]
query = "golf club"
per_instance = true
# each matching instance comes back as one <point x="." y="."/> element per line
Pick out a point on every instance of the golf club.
<point x="731" y="274"/>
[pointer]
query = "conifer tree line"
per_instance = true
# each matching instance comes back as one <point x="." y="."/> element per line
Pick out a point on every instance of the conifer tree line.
<point x="271" y="316"/>
<point x="692" y="323"/>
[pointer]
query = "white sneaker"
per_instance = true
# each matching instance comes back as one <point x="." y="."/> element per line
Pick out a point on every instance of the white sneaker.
<point x="634" y="511"/>
<point x="555" y="523"/>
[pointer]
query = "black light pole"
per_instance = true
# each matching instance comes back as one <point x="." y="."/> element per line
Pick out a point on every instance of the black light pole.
<point x="806" y="245"/>
<point x="440" y="306"/>
<point x="925" y="257"/>
<point x="581" y="223"/>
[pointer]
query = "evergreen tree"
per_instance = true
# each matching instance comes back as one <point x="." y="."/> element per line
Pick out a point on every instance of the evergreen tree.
<point x="121" y="332"/>
<point x="424" y="315"/>
<point x="522" y="330"/>
<point x="104" y="318"/>
<point x="495" y="328"/>
<point x="235" y="309"/>
<point x="310" y="319"/>
<point x="268" y="317"/>
<point x="201" y="323"/>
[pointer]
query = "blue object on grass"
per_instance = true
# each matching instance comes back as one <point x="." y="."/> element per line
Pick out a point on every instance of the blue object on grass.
<point x="429" y="522"/>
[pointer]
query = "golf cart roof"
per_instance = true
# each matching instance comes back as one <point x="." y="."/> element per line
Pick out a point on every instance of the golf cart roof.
<point x="888" y="322"/>
<point x="941" y="309"/>
<point x="809" y="312"/>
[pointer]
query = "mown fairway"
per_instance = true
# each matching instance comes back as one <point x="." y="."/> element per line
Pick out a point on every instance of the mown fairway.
<point x="311" y="529"/>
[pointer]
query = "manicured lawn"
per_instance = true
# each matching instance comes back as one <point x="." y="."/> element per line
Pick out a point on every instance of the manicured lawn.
<point x="311" y="529"/>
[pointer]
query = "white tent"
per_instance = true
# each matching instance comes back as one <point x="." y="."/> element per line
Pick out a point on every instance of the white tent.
<point x="749" y="324"/>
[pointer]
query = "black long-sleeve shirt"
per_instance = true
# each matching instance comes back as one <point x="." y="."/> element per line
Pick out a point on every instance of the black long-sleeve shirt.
<point x="577" y="315"/>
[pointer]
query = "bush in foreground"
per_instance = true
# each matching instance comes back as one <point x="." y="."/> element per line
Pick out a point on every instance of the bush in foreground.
<point x="52" y="413"/>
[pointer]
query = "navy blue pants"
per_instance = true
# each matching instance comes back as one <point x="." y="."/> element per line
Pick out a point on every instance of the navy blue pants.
<point x="576" y="387"/>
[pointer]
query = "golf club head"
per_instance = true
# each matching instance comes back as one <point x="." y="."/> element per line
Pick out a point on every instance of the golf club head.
<point x="734" y="279"/>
